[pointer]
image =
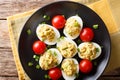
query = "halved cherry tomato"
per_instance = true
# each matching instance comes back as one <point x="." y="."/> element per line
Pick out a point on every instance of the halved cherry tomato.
<point x="86" y="34"/>
<point x="55" y="73"/>
<point x="85" y="66"/>
<point x="58" y="21"/>
<point x="39" y="47"/>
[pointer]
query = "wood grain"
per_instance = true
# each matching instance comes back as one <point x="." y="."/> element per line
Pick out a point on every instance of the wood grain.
<point x="4" y="35"/>
<point x="7" y="65"/>
<point x="11" y="7"/>
<point x="8" y="78"/>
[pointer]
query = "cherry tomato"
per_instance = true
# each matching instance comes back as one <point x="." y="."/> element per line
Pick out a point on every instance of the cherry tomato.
<point x="85" y="66"/>
<point x="55" y="73"/>
<point x="39" y="47"/>
<point x="58" y="21"/>
<point x="86" y="34"/>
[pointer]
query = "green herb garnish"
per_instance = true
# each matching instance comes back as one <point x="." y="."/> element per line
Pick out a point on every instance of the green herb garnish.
<point x="47" y="76"/>
<point x="49" y="46"/>
<point x="95" y="26"/>
<point x="46" y="17"/>
<point x="58" y="40"/>
<point x="43" y="22"/>
<point x="28" y="31"/>
<point x="79" y="41"/>
<point x="43" y="39"/>
<point x="78" y="49"/>
<point x="97" y="49"/>
<point x="36" y="57"/>
<point x="55" y="53"/>
<point x="76" y="24"/>
<point x="37" y="66"/>
<point x="62" y="37"/>
<point x="65" y="48"/>
<point x="30" y="63"/>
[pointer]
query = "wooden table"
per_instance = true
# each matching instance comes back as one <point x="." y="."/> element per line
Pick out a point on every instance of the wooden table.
<point x="7" y="66"/>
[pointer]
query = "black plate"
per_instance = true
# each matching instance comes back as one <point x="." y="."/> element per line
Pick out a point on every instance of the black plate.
<point x="67" y="9"/>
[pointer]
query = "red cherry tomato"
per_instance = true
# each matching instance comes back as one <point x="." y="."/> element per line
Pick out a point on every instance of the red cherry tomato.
<point x="58" y="21"/>
<point x="85" y="66"/>
<point x="86" y="34"/>
<point x="55" y="73"/>
<point x="39" y="47"/>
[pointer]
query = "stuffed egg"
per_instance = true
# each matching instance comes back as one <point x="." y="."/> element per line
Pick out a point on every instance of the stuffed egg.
<point x="67" y="47"/>
<point x="89" y="50"/>
<point x="69" y="68"/>
<point x="47" y="33"/>
<point x="73" y="27"/>
<point x="50" y="59"/>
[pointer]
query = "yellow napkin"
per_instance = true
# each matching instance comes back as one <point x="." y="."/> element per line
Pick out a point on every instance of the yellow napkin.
<point x="16" y="22"/>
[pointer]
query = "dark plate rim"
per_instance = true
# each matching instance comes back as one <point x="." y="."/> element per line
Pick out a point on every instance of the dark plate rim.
<point x="109" y="51"/>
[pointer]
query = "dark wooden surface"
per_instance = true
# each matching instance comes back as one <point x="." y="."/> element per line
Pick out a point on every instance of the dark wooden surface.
<point x="7" y="65"/>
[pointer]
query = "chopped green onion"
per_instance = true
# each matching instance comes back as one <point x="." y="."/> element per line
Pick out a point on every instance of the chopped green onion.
<point x="37" y="66"/>
<point x="78" y="49"/>
<point x="55" y="53"/>
<point x="97" y="49"/>
<point x="49" y="51"/>
<point x="43" y="40"/>
<point x="62" y="37"/>
<point x="43" y="22"/>
<point x="46" y="17"/>
<point x="28" y="31"/>
<point x="65" y="48"/>
<point x="58" y="40"/>
<point x="36" y="57"/>
<point x="76" y="24"/>
<point x="49" y="46"/>
<point x="95" y="26"/>
<point x="30" y="63"/>
<point x="78" y="41"/>
<point x="47" y="76"/>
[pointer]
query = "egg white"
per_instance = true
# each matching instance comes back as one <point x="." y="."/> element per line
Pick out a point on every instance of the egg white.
<point x="57" y="34"/>
<point x="77" y="71"/>
<point x="79" y="20"/>
<point x="95" y="44"/>
<point x="63" y="40"/>
<point x="58" y="55"/>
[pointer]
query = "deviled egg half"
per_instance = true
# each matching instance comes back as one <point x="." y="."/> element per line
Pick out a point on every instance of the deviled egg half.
<point x="50" y="59"/>
<point x="69" y="68"/>
<point x="67" y="47"/>
<point x="89" y="50"/>
<point x="73" y="27"/>
<point x="47" y="33"/>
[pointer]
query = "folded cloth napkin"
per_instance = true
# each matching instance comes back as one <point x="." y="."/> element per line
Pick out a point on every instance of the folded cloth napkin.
<point x="16" y="22"/>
